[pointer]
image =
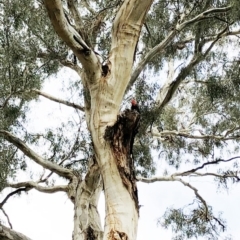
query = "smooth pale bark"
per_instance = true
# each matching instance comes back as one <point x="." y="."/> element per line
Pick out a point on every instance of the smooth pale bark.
<point x="87" y="224"/>
<point x="121" y="209"/>
<point x="72" y="38"/>
<point x="8" y="234"/>
<point x="105" y="96"/>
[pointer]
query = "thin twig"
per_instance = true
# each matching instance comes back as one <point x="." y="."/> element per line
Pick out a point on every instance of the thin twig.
<point x="8" y="219"/>
<point x="13" y="193"/>
<point x="186" y="173"/>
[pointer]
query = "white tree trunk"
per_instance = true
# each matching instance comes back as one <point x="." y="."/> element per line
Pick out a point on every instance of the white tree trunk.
<point x="103" y="97"/>
<point x="87" y="224"/>
<point x="112" y="149"/>
<point x="121" y="211"/>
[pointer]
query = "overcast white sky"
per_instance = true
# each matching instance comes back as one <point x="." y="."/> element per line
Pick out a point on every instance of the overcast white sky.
<point x="50" y="216"/>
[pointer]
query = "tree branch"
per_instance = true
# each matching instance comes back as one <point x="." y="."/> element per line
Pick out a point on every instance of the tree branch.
<point x="125" y="35"/>
<point x="35" y="185"/>
<point x="183" y="133"/>
<point x="72" y="38"/>
<point x="9" y="234"/>
<point x="161" y="46"/>
<point x="72" y="66"/>
<point x="186" y="173"/>
<point x="228" y="175"/>
<point x="169" y="88"/>
<point x="85" y="3"/>
<point x="11" y="194"/>
<point x="35" y="157"/>
<point x="8" y="219"/>
<point x="172" y="179"/>
<point x="150" y="55"/>
<point x="157" y="179"/>
<point x="75" y="13"/>
<point x="203" y="15"/>
<point x="58" y="100"/>
<point x="196" y="194"/>
<point x="181" y="44"/>
<point x="64" y="62"/>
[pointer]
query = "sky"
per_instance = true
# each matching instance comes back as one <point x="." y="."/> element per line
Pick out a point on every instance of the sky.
<point x="50" y="216"/>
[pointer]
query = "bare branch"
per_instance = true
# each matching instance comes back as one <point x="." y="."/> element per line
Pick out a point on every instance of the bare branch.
<point x="8" y="219"/>
<point x="58" y="100"/>
<point x="182" y="44"/>
<point x="173" y="178"/>
<point x="161" y="46"/>
<point x="150" y="55"/>
<point x="35" y="185"/>
<point x="71" y="65"/>
<point x="75" y="13"/>
<point x="72" y="38"/>
<point x="71" y="150"/>
<point x="169" y="88"/>
<point x="157" y="179"/>
<point x="203" y="15"/>
<point x="35" y="157"/>
<point x="9" y="234"/>
<point x="11" y="194"/>
<point x="214" y="41"/>
<point x="225" y="175"/>
<point x="186" y="173"/>
<point x="196" y="193"/>
<point x="184" y="133"/>
<point x="88" y="7"/>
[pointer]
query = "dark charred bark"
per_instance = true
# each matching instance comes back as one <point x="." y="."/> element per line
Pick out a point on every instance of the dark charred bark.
<point x="121" y="138"/>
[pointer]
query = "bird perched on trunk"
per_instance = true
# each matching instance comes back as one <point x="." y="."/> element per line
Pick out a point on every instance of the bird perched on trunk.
<point x="135" y="106"/>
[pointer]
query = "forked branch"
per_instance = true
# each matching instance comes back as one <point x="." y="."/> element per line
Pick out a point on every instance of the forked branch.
<point x="174" y="32"/>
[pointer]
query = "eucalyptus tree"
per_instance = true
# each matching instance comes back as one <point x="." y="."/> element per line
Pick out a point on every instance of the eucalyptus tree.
<point x="121" y="50"/>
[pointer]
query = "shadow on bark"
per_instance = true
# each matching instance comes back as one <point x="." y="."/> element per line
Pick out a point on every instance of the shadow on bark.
<point x="121" y="138"/>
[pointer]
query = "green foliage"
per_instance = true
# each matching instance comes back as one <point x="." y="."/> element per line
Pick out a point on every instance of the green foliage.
<point x="193" y="222"/>
<point x="25" y="35"/>
<point x="143" y="159"/>
<point x="200" y="123"/>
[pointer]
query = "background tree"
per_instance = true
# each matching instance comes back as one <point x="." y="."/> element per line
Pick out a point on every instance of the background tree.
<point x="119" y="49"/>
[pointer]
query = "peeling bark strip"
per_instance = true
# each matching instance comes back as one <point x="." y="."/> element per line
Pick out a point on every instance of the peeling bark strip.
<point x="121" y="137"/>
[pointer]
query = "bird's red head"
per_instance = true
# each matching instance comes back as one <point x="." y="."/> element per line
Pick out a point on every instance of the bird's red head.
<point x="134" y="102"/>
